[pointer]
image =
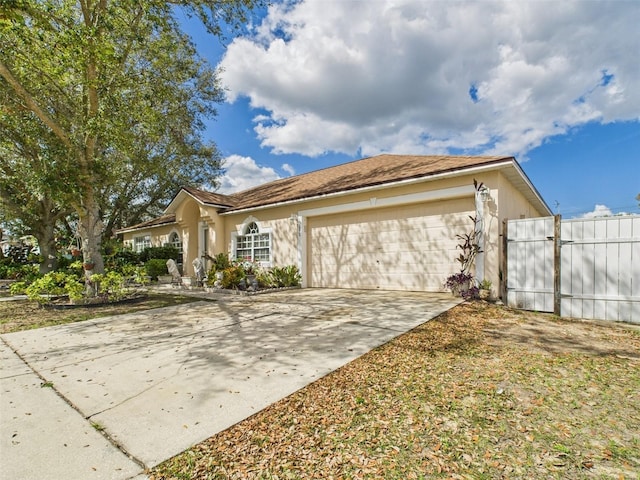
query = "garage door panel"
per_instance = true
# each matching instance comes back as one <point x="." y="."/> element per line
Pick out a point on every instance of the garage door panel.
<point x="408" y="248"/>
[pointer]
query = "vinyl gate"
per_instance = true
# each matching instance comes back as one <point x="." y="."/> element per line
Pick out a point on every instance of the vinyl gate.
<point x="586" y="268"/>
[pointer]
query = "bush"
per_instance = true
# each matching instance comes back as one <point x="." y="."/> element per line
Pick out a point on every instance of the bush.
<point x="155" y="267"/>
<point x="287" y="276"/>
<point x="110" y="285"/>
<point x="18" y="288"/>
<point x="164" y="253"/>
<point x="55" y="284"/>
<point x="232" y="276"/>
<point x="16" y="271"/>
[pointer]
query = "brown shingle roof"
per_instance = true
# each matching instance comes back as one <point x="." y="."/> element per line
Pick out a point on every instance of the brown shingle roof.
<point x="154" y="222"/>
<point x="362" y="173"/>
<point x="210" y="197"/>
<point x="353" y="175"/>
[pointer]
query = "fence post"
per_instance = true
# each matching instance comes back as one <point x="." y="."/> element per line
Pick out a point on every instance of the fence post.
<point x="503" y="276"/>
<point x="557" y="243"/>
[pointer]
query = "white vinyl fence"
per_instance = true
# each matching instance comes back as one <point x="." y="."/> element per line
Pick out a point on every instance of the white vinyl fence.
<point x="586" y="268"/>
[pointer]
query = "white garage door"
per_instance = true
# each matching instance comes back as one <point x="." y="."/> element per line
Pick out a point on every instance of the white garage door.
<point x="411" y="247"/>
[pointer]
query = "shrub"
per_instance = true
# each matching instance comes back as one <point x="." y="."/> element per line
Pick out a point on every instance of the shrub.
<point x="266" y="279"/>
<point x="18" y="288"/>
<point x="15" y="271"/>
<point x="55" y="284"/>
<point x="164" y="253"/>
<point x="219" y="263"/>
<point x="140" y="275"/>
<point x="287" y="276"/>
<point x="110" y="285"/>
<point x="232" y="276"/>
<point x="155" y="267"/>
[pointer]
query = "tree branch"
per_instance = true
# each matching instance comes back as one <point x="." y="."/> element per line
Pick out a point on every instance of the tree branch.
<point x="33" y="105"/>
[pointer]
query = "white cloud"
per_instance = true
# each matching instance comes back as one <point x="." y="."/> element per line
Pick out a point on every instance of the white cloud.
<point x="242" y="173"/>
<point x="288" y="168"/>
<point x="598" y="211"/>
<point x="602" y="211"/>
<point x="415" y="76"/>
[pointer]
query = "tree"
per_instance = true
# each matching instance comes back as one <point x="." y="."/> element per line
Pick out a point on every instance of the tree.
<point x="117" y="95"/>
<point x="638" y="199"/>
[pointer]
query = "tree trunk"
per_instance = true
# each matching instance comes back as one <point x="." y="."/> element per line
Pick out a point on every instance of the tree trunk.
<point x="90" y="229"/>
<point x="47" y="244"/>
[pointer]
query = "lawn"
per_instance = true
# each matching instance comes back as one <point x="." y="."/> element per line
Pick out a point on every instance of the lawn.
<point x="480" y="392"/>
<point x="24" y="315"/>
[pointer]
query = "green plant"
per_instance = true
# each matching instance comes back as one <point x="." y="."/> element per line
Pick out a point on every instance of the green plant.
<point x="485" y="284"/>
<point x="287" y="276"/>
<point x="74" y="289"/>
<point x="110" y="285"/>
<point x="232" y="276"/>
<point x="155" y="267"/>
<point x="163" y="253"/>
<point x="55" y="284"/>
<point x="18" y="271"/>
<point x="140" y="276"/>
<point x="18" y="288"/>
<point x="266" y="279"/>
<point x="127" y="270"/>
<point x="220" y="262"/>
<point x="469" y="247"/>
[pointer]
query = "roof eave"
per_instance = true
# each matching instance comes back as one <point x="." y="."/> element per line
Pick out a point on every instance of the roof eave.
<point x="146" y="227"/>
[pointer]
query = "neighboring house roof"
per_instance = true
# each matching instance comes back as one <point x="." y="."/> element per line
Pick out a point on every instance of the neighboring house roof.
<point x="360" y="174"/>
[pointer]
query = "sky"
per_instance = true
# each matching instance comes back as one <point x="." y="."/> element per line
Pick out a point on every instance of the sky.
<point x="316" y="83"/>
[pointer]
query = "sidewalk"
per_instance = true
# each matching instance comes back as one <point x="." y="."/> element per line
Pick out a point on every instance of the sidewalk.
<point x="51" y="438"/>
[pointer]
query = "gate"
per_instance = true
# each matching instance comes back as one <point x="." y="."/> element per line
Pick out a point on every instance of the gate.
<point x="530" y="264"/>
<point x="585" y="268"/>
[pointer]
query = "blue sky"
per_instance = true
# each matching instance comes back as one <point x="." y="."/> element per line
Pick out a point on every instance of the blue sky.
<point x="321" y="82"/>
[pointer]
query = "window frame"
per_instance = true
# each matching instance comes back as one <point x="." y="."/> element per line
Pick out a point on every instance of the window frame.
<point x="141" y="242"/>
<point x="253" y="244"/>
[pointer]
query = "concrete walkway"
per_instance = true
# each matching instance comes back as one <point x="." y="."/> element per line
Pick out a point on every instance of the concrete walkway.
<point x="160" y="381"/>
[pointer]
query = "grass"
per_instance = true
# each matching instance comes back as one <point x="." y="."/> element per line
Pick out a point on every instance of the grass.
<point x="25" y="315"/>
<point x="464" y="396"/>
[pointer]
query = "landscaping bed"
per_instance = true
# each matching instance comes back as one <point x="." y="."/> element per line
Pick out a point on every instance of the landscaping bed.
<point x="480" y="392"/>
<point x="25" y="314"/>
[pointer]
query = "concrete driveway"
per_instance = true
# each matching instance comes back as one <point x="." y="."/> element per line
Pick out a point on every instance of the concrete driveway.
<point x="157" y="382"/>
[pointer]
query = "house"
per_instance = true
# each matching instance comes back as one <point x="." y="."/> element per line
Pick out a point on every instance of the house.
<point x="384" y="222"/>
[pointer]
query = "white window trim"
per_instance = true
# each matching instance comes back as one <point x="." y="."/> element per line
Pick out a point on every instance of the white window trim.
<point x="261" y="230"/>
<point x="146" y="239"/>
<point x="170" y="243"/>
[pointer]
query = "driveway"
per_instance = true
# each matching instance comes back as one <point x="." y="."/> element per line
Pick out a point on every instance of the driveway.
<point x="157" y="382"/>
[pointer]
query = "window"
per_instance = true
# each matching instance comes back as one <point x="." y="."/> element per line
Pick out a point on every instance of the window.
<point x="140" y="243"/>
<point x="174" y="241"/>
<point x="253" y="245"/>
